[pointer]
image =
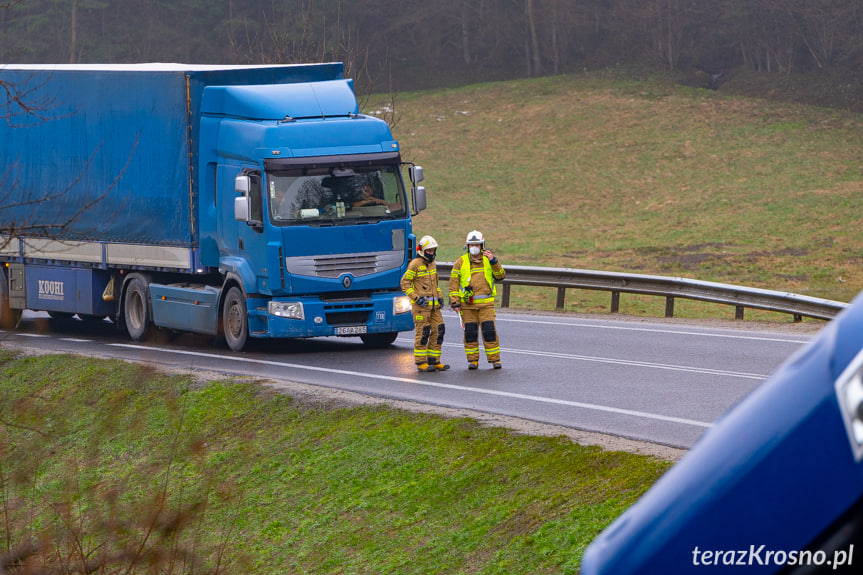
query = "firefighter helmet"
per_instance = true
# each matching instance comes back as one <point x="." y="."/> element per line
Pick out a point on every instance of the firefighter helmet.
<point x="475" y="237"/>
<point x="426" y="243"/>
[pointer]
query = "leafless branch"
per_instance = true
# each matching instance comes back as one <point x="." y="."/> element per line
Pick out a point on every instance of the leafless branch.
<point x="23" y="428"/>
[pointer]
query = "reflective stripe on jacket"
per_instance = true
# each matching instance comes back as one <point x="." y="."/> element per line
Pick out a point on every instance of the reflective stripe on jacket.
<point x="421" y="280"/>
<point x="466" y="271"/>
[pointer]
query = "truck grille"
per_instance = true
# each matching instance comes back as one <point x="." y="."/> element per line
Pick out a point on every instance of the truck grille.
<point x="333" y="266"/>
<point x="348" y="318"/>
<point x="347" y="311"/>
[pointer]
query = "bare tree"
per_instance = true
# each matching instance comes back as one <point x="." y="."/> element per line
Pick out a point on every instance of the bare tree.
<point x="828" y="29"/>
<point x="534" y="61"/>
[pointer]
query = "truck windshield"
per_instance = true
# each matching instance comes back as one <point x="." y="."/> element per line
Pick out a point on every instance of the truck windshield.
<point x="307" y="195"/>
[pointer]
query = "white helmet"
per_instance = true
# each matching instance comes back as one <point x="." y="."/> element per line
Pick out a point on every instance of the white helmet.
<point x="475" y="237"/>
<point x="426" y="243"/>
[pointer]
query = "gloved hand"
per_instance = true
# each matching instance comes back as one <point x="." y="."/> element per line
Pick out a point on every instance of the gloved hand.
<point x="422" y="301"/>
<point x="456" y="307"/>
<point x="440" y="303"/>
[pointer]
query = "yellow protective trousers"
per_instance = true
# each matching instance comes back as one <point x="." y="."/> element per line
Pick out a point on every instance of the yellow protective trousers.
<point x="479" y="319"/>
<point x="430" y="328"/>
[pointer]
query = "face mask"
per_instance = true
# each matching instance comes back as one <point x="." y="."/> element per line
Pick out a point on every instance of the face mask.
<point x="474" y="250"/>
<point x="429" y="256"/>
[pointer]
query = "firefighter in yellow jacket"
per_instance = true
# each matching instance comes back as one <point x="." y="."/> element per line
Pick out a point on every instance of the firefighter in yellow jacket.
<point x="420" y="283"/>
<point x="471" y="294"/>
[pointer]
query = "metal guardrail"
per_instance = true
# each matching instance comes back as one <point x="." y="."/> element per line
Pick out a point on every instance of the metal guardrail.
<point x="670" y="287"/>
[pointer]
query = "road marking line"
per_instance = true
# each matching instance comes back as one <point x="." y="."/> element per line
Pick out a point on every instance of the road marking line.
<point x="507" y="394"/>
<point x="705" y="370"/>
<point x="615" y="361"/>
<point x="659" y="330"/>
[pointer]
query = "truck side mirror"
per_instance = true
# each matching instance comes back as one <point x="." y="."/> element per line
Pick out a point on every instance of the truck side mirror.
<point x="416" y="174"/>
<point x="242" y="184"/>
<point x="243" y="203"/>
<point x="418" y="193"/>
<point x="420" y="198"/>
<point x="242" y="209"/>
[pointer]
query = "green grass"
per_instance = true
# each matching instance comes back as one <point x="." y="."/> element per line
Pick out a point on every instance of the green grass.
<point x="598" y="172"/>
<point x="128" y="467"/>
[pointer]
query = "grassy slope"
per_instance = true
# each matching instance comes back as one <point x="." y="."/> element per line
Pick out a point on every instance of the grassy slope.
<point x="125" y="466"/>
<point x="596" y="172"/>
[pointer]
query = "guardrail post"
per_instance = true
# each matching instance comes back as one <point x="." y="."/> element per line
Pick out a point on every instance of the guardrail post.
<point x="504" y="299"/>
<point x="561" y="296"/>
<point x="798" y="318"/>
<point x="738" y="312"/>
<point x="615" y="301"/>
<point x="669" y="306"/>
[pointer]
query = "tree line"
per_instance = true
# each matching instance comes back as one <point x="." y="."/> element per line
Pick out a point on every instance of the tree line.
<point x="413" y="44"/>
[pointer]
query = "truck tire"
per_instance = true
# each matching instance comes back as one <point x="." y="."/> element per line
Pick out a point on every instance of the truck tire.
<point x="379" y="339"/>
<point x="9" y="317"/>
<point x="136" y="311"/>
<point x="235" y="319"/>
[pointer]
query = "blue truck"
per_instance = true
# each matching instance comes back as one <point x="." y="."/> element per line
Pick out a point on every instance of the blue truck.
<point x="235" y="201"/>
<point x="774" y="486"/>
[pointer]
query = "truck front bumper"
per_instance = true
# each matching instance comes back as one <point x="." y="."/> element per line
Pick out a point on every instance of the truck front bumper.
<point x="315" y="317"/>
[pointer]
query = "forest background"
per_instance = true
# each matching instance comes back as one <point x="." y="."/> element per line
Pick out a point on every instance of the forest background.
<point x="804" y="50"/>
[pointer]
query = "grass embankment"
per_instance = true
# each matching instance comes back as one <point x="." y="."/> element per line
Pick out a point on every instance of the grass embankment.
<point x="121" y="466"/>
<point x="598" y="172"/>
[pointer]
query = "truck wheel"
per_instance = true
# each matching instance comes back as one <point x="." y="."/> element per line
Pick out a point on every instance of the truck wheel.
<point x="235" y="319"/>
<point x="9" y="317"/>
<point x="136" y="311"/>
<point x="379" y="339"/>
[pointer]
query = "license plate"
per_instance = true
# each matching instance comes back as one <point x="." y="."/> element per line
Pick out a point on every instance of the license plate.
<point x="351" y="330"/>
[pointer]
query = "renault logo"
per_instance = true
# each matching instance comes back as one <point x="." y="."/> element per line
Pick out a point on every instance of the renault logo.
<point x="347" y="281"/>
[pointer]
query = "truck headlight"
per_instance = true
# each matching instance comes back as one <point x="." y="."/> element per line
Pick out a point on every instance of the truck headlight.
<point x="288" y="309"/>
<point x="401" y="304"/>
<point x="849" y="391"/>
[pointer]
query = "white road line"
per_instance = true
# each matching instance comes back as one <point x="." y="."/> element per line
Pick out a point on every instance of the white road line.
<point x="799" y="339"/>
<point x="704" y="370"/>
<point x="507" y="394"/>
<point x="616" y="361"/>
<point x="72" y="339"/>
